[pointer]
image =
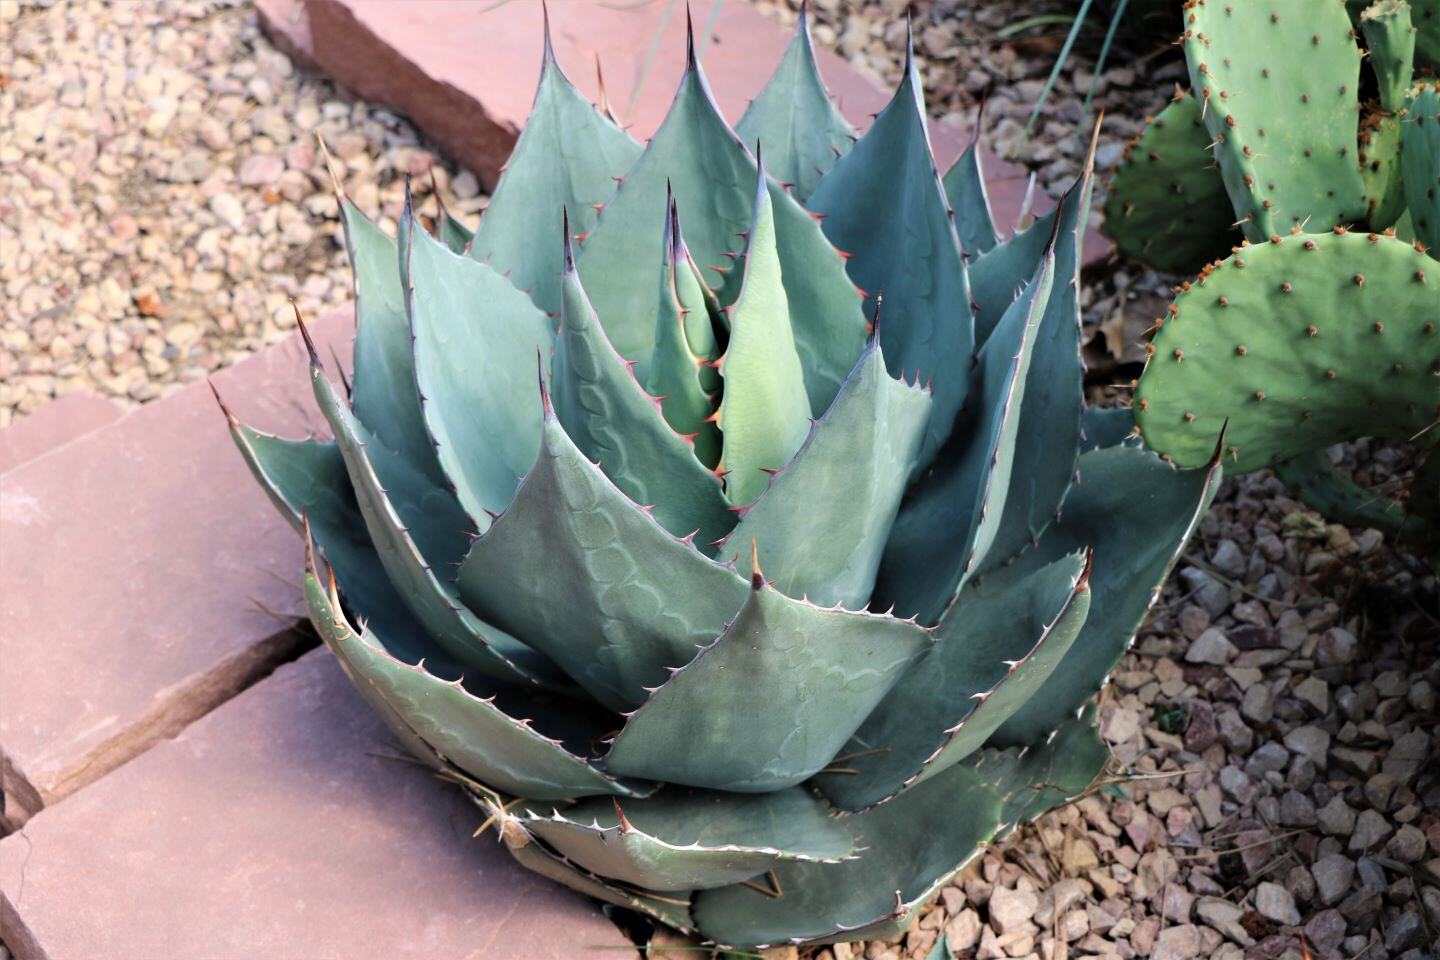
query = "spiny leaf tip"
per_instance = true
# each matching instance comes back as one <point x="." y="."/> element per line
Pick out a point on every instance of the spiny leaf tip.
<point x="305" y="335"/>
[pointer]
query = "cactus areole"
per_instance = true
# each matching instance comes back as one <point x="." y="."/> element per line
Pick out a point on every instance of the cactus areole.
<point x="753" y="609"/>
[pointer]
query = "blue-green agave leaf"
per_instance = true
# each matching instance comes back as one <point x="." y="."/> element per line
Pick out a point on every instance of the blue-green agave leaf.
<point x="299" y="475"/>
<point x="883" y="204"/>
<point x="913" y="846"/>
<point x="592" y="581"/>
<point x="569" y="157"/>
<point x="710" y="170"/>
<point x="449" y="230"/>
<point x="1047" y="444"/>
<point x="683" y="839"/>
<point x="307" y="483"/>
<point x="491" y="736"/>
<point x="769" y="703"/>
<point x="764" y="412"/>
<point x="997" y="276"/>
<point x="530" y="853"/>
<point x="328" y="623"/>
<point x="686" y="346"/>
<point x="400" y="537"/>
<point x="614" y="421"/>
<point x="964" y="185"/>
<point x="822" y="523"/>
<point x="475" y="340"/>
<point x="1107" y="427"/>
<point x="1136" y="513"/>
<point x="794" y="119"/>
<point x="998" y="644"/>
<point x="950" y="517"/>
<point x="383" y="381"/>
<point x="1043" y="775"/>
<point x="942" y="949"/>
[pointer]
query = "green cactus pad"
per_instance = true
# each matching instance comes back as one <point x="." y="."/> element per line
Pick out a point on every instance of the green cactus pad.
<point x="1425" y="16"/>
<point x="592" y="580"/>
<point x="710" y="170"/>
<point x="479" y="406"/>
<point x="794" y="121"/>
<point x="681" y="840"/>
<point x="1379" y="155"/>
<point x="492" y="737"/>
<point x="964" y="185"/>
<point x="884" y="206"/>
<point x="616" y="423"/>
<point x="1322" y="487"/>
<point x="1136" y="513"/>
<point x="307" y="482"/>
<point x="796" y="679"/>
<point x="1279" y="82"/>
<point x="1300" y="343"/>
<point x="1390" y="38"/>
<point x="568" y="157"/>
<point x="952" y="514"/>
<point x="997" y="645"/>
<point x="819" y="524"/>
<point x="1167" y="205"/>
<point x="1420" y="163"/>
<point x="299" y="476"/>
<point x="765" y="413"/>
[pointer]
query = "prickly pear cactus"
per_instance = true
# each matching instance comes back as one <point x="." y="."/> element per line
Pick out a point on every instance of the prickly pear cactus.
<point x="1426" y="16"/>
<point x="1420" y="134"/>
<point x="1298" y="343"/>
<point x="1301" y="342"/>
<point x="1380" y="168"/>
<point x="1390" y="39"/>
<point x="1325" y="489"/>
<point x="625" y="482"/>
<point x="1279" y="88"/>
<point x="1279" y="83"/>
<point x="1167" y="204"/>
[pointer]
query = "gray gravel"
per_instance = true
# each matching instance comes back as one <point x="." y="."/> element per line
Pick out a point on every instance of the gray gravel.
<point x="160" y="197"/>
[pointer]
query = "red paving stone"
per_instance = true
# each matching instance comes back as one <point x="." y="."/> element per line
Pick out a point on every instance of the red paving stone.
<point x="54" y="425"/>
<point x="279" y="826"/>
<point x="129" y="562"/>
<point x="421" y="58"/>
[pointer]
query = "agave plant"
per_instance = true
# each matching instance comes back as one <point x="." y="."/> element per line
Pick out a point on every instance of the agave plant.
<point x="754" y="611"/>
